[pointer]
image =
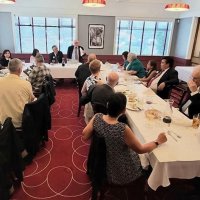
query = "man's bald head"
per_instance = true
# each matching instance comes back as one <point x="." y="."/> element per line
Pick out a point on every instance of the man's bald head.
<point x="112" y="79"/>
<point x="76" y="43"/>
<point x="196" y="71"/>
<point x="91" y="57"/>
<point x="196" y="75"/>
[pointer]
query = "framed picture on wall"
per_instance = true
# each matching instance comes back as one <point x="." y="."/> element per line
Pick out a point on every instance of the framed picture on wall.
<point x="96" y="36"/>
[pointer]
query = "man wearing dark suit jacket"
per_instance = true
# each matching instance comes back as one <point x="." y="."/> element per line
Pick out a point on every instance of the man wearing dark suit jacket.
<point x="83" y="71"/>
<point x="168" y="77"/>
<point x="56" y="56"/>
<point x="192" y="106"/>
<point x="100" y="93"/>
<point x="75" y="52"/>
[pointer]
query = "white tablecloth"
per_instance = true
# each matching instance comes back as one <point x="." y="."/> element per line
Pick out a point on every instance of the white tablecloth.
<point x="184" y="72"/>
<point x="58" y="71"/>
<point x="174" y="159"/>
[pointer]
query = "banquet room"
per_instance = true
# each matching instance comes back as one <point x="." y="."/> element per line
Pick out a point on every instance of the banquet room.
<point x="100" y="99"/>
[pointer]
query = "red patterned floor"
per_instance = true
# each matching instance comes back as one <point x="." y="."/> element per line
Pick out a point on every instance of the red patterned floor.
<point x="58" y="171"/>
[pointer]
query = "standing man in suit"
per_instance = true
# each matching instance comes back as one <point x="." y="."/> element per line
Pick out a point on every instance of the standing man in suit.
<point x="75" y="52"/>
<point x="163" y="81"/>
<point x="56" y="56"/>
<point x="192" y="106"/>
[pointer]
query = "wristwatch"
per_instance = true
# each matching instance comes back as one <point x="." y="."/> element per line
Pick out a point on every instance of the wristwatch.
<point x="156" y="143"/>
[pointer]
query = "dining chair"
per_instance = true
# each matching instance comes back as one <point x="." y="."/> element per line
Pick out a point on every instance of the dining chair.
<point x="179" y="94"/>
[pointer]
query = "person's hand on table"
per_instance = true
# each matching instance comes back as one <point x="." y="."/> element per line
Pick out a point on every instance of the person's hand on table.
<point x="161" y="138"/>
<point x="132" y="72"/>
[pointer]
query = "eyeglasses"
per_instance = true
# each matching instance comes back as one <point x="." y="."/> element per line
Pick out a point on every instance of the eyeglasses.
<point x="195" y="78"/>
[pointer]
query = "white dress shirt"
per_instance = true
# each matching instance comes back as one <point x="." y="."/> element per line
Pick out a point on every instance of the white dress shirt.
<point x="73" y="53"/>
<point x="154" y="84"/>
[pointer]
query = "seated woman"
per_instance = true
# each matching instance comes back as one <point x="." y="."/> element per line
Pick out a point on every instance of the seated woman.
<point x="5" y="58"/>
<point x="124" y="57"/>
<point x="151" y="71"/>
<point x="122" y="146"/>
<point x="93" y="79"/>
<point x="135" y="67"/>
<point x="32" y="58"/>
<point x="37" y="75"/>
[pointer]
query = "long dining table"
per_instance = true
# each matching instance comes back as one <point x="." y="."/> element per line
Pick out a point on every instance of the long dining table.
<point x="179" y="157"/>
<point x="59" y="71"/>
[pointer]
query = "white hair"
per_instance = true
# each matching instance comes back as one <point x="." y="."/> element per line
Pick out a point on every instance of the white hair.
<point x="132" y="56"/>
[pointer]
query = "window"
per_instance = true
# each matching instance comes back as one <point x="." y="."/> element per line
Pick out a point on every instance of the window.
<point x="42" y="33"/>
<point x="143" y="37"/>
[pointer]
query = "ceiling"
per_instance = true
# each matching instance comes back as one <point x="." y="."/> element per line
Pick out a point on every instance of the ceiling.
<point x="144" y="1"/>
<point x="132" y="8"/>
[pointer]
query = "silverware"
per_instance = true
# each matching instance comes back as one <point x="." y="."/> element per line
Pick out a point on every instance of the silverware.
<point x="139" y="108"/>
<point x="178" y="136"/>
<point x="168" y="132"/>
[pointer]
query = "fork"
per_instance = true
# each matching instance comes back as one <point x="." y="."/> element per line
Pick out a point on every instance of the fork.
<point x="178" y="136"/>
<point x="172" y="136"/>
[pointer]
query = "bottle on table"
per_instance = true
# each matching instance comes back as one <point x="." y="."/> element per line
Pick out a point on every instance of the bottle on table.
<point x="63" y="62"/>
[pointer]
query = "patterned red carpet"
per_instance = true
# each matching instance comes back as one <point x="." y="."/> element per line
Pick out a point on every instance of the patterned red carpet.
<point x="58" y="171"/>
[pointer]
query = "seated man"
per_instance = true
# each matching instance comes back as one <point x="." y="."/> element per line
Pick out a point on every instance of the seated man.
<point x="135" y="67"/>
<point x="163" y="81"/>
<point x="101" y="93"/>
<point x="56" y="56"/>
<point x="37" y="75"/>
<point x="14" y="94"/>
<point x="83" y="70"/>
<point x="192" y="106"/>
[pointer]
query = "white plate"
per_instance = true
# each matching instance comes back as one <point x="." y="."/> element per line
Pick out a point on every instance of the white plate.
<point x="131" y="108"/>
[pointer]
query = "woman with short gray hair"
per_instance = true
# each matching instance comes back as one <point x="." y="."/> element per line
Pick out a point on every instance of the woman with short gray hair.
<point x="135" y="67"/>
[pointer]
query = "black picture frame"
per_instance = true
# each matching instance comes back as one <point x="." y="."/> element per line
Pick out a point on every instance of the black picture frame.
<point x="96" y="34"/>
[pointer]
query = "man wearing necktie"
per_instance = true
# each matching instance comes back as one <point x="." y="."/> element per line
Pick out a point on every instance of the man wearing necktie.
<point x="192" y="106"/>
<point x="164" y="80"/>
<point x="56" y="56"/>
<point x="75" y="52"/>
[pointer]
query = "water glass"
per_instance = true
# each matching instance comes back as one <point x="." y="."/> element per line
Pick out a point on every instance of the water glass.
<point x="196" y="121"/>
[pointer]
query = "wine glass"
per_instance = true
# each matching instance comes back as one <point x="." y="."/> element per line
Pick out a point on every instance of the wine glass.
<point x="167" y="122"/>
<point x="169" y="107"/>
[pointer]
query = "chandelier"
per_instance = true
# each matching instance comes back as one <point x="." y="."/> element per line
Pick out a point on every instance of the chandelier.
<point x="94" y="3"/>
<point x="7" y="1"/>
<point x="177" y="7"/>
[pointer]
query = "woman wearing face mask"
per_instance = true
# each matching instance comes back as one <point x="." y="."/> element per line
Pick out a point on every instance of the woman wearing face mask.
<point x="5" y="58"/>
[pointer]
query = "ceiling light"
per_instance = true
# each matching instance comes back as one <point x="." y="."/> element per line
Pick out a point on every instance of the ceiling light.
<point x="177" y="7"/>
<point x="94" y="3"/>
<point x="7" y="1"/>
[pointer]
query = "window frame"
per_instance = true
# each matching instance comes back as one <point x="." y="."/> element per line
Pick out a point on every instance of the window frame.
<point x="116" y="38"/>
<point x="17" y="27"/>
